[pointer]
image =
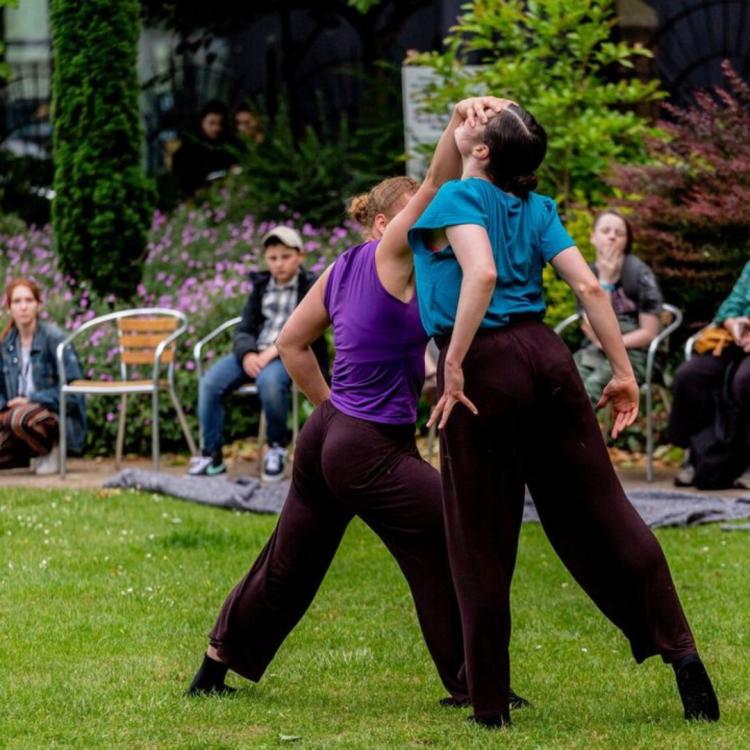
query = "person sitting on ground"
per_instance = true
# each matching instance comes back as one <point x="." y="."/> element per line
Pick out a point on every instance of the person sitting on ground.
<point x="635" y="296"/>
<point x="276" y="292"/>
<point x="30" y="387"/>
<point x="210" y="150"/>
<point x="699" y="384"/>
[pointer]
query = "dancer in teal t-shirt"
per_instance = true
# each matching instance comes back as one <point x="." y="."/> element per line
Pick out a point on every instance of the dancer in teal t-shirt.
<point x="523" y="417"/>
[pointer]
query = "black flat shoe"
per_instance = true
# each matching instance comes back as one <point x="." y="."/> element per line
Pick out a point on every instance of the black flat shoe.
<point x="451" y="702"/>
<point x="696" y="691"/>
<point x="491" y="722"/>
<point x="515" y="701"/>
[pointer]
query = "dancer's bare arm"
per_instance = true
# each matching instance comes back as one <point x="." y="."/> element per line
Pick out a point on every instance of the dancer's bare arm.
<point x="306" y="324"/>
<point x="393" y="257"/>
<point x="622" y="389"/>
<point x="473" y="251"/>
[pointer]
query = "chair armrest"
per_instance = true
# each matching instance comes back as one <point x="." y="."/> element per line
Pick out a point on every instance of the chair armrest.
<point x="198" y="348"/>
<point x="662" y="336"/>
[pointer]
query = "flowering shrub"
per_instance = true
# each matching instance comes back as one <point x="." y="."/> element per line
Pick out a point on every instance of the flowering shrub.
<point x="197" y="262"/>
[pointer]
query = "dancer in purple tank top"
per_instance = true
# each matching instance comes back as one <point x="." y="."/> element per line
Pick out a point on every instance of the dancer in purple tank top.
<point x="356" y="455"/>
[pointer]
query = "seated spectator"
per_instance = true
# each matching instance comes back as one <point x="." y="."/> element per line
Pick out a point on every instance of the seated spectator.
<point x="29" y="385"/>
<point x="276" y="292"/>
<point x="717" y="378"/>
<point x="207" y="151"/>
<point x="247" y="124"/>
<point x="636" y="299"/>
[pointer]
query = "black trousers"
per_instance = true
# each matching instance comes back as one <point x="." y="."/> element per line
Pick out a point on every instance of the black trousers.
<point x="536" y="426"/>
<point x="345" y="467"/>
<point x="695" y="383"/>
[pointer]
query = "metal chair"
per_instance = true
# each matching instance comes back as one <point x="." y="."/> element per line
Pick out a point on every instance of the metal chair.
<point x="146" y="336"/>
<point x="671" y="320"/>
<point x="249" y="389"/>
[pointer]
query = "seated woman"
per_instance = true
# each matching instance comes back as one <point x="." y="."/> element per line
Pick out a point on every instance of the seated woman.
<point x="29" y="385"/>
<point x="636" y="299"/>
<point x="701" y="381"/>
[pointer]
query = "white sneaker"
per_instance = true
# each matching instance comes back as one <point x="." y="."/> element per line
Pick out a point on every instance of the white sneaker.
<point x="205" y="466"/>
<point x="49" y="464"/>
<point x="273" y="464"/>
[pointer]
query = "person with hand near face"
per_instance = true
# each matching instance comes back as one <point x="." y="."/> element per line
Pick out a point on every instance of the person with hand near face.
<point x="29" y="385"/>
<point x="635" y="296"/>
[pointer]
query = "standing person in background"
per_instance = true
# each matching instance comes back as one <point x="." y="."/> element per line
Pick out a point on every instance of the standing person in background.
<point x="636" y="299"/>
<point x="513" y="412"/>
<point x="29" y="385"/>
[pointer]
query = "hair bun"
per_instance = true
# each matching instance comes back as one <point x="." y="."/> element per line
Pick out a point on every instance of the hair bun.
<point x="359" y="209"/>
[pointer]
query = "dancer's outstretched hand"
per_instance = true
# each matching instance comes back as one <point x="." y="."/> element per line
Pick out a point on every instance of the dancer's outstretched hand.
<point x="453" y="393"/>
<point x="479" y="109"/>
<point x="623" y="394"/>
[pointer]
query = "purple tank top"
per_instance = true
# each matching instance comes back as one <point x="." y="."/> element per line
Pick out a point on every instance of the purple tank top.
<point x="378" y="371"/>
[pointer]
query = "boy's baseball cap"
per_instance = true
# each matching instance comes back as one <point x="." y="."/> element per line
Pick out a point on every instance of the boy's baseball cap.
<point x="288" y="236"/>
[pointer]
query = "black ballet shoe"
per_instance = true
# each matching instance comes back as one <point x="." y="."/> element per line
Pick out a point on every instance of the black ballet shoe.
<point x="515" y="701"/>
<point x="696" y="691"/>
<point x="209" y="679"/>
<point x="491" y="722"/>
<point x="451" y="702"/>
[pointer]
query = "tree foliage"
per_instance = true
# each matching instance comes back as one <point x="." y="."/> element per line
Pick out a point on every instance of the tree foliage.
<point x="691" y="205"/>
<point x="103" y="204"/>
<point x="556" y="58"/>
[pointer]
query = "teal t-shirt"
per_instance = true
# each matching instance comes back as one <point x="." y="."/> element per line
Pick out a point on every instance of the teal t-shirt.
<point x="524" y="234"/>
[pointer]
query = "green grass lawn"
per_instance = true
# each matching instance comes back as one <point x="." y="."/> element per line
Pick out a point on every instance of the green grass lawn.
<point x="106" y="599"/>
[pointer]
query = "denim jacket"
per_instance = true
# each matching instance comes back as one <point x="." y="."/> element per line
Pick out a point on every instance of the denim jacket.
<point x="44" y="371"/>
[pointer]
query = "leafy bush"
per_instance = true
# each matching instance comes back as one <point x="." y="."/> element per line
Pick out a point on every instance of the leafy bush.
<point x="317" y="173"/>
<point x="691" y="206"/>
<point x="556" y="58"/>
<point x="197" y="262"/>
<point x="103" y="206"/>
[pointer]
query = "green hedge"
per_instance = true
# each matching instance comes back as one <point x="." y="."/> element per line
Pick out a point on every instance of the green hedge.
<point x="103" y="204"/>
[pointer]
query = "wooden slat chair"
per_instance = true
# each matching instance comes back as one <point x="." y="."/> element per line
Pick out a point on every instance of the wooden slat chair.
<point x="671" y="318"/>
<point x="146" y="337"/>
<point x="249" y="389"/>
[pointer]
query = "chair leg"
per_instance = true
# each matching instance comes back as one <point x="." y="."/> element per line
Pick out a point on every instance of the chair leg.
<point x="155" y="427"/>
<point x="183" y="421"/>
<point x="262" y="428"/>
<point x="63" y="423"/>
<point x="649" y="433"/>
<point x="121" y="431"/>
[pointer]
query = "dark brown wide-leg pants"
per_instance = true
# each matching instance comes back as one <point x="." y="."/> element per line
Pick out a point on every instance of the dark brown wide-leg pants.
<point x="26" y="431"/>
<point x="345" y="467"/>
<point x="536" y="426"/>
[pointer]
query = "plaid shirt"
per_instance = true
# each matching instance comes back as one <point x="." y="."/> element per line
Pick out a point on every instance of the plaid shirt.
<point x="278" y="304"/>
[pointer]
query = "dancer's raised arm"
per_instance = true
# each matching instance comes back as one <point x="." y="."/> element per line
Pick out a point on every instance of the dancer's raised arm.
<point x="393" y="256"/>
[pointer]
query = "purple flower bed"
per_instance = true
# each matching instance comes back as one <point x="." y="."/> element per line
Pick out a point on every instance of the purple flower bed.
<point x="197" y="262"/>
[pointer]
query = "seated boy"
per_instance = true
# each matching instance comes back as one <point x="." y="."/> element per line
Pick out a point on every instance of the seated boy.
<point x="276" y="292"/>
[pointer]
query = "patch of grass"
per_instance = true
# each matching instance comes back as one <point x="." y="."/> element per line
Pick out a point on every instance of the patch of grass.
<point x="106" y="599"/>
